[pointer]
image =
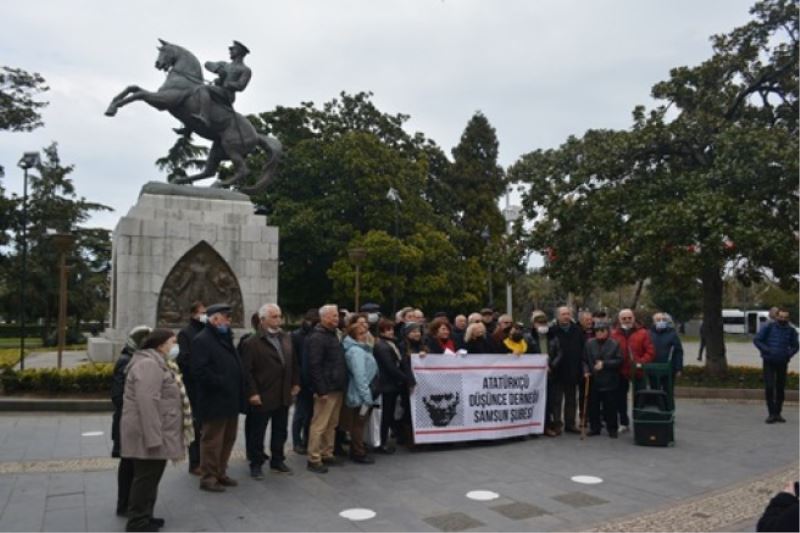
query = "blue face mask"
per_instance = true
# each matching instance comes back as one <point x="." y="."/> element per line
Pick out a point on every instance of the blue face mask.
<point x="662" y="324"/>
<point x="223" y="328"/>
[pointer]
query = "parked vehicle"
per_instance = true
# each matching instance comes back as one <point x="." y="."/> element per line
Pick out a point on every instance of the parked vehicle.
<point x="743" y="322"/>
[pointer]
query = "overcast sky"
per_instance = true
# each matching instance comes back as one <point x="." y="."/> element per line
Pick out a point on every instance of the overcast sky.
<point x="539" y="70"/>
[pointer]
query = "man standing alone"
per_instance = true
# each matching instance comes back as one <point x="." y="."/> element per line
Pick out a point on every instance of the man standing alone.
<point x="777" y="342"/>
<point x="272" y="375"/>
<point x="220" y="396"/>
<point x="327" y="369"/>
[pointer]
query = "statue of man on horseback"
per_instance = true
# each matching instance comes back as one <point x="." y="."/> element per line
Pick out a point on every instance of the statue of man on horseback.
<point x="208" y="110"/>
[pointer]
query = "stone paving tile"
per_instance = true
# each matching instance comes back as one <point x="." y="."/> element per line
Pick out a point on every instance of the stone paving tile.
<point x="579" y="499"/>
<point x="453" y="522"/>
<point x="73" y="519"/>
<point x="518" y="510"/>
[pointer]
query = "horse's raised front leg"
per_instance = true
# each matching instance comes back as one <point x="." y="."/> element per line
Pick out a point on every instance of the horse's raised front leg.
<point x="240" y="169"/>
<point x="114" y="105"/>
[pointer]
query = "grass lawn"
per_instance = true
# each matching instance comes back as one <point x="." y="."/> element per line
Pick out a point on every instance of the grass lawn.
<point x="729" y="338"/>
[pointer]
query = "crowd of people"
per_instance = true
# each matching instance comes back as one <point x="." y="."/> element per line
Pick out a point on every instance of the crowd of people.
<point x="181" y="392"/>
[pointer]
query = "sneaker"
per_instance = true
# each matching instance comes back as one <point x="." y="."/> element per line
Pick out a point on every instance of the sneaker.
<point x="624" y="429"/>
<point x="228" y="482"/>
<point x="771" y="419"/>
<point x="332" y="461"/>
<point x="256" y="472"/>
<point x="212" y="487"/>
<point x="317" y="468"/>
<point x="779" y="418"/>
<point x="280" y="468"/>
<point x="362" y="459"/>
<point x="300" y="450"/>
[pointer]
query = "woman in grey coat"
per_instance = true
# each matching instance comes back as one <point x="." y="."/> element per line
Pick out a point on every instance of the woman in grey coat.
<point x="156" y="423"/>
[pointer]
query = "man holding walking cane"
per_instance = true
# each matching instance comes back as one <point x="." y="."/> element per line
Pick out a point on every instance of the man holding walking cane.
<point x="601" y="363"/>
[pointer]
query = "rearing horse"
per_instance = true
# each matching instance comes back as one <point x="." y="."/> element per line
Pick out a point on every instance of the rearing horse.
<point x="232" y="135"/>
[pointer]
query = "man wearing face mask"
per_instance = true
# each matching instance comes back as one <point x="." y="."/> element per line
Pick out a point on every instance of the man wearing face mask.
<point x="667" y="344"/>
<point x="539" y="341"/>
<point x="777" y="342"/>
<point x="219" y="379"/>
<point x="636" y="349"/>
<point x="196" y="324"/>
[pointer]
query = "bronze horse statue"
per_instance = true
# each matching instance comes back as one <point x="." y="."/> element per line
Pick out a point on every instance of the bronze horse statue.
<point x="233" y="137"/>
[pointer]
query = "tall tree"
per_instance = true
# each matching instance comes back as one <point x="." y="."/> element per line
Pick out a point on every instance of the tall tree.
<point x="704" y="183"/>
<point x="184" y="155"/>
<point x="19" y="106"/>
<point x="54" y="206"/>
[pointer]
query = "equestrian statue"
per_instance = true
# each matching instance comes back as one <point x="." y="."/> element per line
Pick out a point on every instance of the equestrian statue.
<point x="208" y="111"/>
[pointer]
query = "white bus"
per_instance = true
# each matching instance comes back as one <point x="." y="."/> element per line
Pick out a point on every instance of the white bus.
<point x="743" y="322"/>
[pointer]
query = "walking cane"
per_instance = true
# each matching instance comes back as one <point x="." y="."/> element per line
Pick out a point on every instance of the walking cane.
<point x="585" y="405"/>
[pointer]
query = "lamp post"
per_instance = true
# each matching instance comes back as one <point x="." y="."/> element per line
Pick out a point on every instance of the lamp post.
<point x="28" y="161"/>
<point x="394" y="197"/>
<point x="63" y="243"/>
<point x="485" y="235"/>
<point x="511" y="213"/>
<point x="357" y="256"/>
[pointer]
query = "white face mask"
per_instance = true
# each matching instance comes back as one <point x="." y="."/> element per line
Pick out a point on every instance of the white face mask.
<point x="542" y="330"/>
<point x="202" y="318"/>
<point x="626" y="327"/>
<point x="173" y="352"/>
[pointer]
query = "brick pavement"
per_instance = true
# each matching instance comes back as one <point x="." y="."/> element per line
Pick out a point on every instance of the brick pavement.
<point x="52" y="477"/>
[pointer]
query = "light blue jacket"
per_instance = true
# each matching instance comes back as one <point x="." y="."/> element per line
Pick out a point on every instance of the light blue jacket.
<point x="362" y="368"/>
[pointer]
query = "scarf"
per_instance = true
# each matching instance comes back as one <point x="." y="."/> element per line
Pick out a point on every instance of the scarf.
<point x="188" y="426"/>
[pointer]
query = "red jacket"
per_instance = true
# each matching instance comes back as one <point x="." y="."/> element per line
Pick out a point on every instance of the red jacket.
<point x="636" y="345"/>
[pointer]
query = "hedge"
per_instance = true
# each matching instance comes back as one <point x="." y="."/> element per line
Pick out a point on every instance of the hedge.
<point x="738" y="377"/>
<point x="88" y="378"/>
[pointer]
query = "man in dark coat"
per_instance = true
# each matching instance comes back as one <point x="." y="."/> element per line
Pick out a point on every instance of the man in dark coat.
<point x="567" y="372"/>
<point x="220" y="396"/>
<point x="304" y="405"/>
<point x="327" y="370"/>
<point x="272" y="375"/>
<point x="185" y="336"/>
<point x="601" y="362"/>
<point x="777" y="342"/>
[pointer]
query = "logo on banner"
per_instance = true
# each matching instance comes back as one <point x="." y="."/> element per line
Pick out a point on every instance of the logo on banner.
<point x="441" y="399"/>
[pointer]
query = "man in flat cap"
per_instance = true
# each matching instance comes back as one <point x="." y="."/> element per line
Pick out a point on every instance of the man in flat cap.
<point x="219" y="382"/>
<point x="232" y="77"/>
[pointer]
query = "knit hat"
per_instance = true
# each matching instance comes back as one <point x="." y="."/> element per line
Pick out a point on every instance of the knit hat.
<point x="136" y="337"/>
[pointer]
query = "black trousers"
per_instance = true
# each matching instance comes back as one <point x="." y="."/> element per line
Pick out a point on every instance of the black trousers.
<point x="622" y="401"/>
<point x="124" y="482"/>
<point x="255" y="429"/>
<point x="194" y="447"/>
<point x="144" y="489"/>
<point x="388" y="406"/>
<point x="564" y="394"/>
<point x="607" y="402"/>
<point x="301" y="421"/>
<point x="774" y="385"/>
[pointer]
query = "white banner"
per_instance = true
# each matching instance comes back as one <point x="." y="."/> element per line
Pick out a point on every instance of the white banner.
<point x="477" y="397"/>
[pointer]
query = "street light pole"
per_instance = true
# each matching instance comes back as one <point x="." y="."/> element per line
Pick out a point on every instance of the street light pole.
<point x="29" y="160"/>
<point x="394" y="197"/>
<point x="63" y="243"/>
<point x="357" y="256"/>
<point x="511" y="213"/>
<point x="486" y="236"/>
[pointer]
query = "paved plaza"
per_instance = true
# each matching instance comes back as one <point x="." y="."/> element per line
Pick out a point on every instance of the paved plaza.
<point x="56" y="474"/>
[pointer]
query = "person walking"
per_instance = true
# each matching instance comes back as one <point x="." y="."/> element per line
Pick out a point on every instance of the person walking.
<point x="777" y="343"/>
<point x="220" y="396"/>
<point x="156" y="423"/>
<point x="272" y="375"/>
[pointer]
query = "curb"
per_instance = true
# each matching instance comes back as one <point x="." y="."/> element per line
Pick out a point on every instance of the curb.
<point x="709" y="393"/>
<point x="92" y="405"/>
<point x="59" y="405"/>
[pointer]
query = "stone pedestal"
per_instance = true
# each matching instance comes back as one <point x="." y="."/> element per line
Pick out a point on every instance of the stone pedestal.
<point x="179" y="244"/>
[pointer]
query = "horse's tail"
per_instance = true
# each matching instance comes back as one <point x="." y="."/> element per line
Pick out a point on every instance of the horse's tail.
<point x="273" y="147"/>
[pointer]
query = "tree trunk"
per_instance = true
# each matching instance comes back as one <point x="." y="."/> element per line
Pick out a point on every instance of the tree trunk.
<point x="716" y="363"/>
<point x="637" y="294"/>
